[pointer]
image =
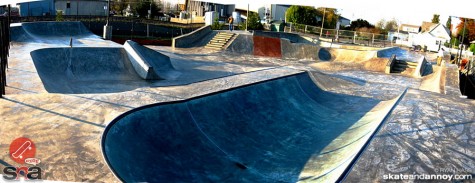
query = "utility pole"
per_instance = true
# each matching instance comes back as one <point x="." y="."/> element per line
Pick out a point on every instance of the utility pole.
<point x="323" y="20"/>
<point x="461" y="44"/>
<point x="247" y="15"/>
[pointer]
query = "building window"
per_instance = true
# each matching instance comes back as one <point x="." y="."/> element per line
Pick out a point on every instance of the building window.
<point x="68" y="5"/>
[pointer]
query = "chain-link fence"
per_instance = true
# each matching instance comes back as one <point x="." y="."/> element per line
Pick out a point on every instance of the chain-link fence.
<point x="341" y="36"/>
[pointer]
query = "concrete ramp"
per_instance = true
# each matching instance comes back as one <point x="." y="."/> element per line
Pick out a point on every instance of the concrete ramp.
<point x="148" y="63"/>
<point x="85" y="70"/>
<point x="57" y="29"/>
<point x="282" y="130"/>
<point x="399" y="52"/>
<point x="347" y="55"/>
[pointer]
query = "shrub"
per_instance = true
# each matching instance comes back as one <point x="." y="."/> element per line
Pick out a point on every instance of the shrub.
<point x="59" y="16"/>
<point x="216" y="25"/>
<point x="472" y="48"/>
<point x="254" y="22"/>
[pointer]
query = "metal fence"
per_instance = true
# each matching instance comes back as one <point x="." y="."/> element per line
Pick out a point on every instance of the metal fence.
<point x="341" y="36"/>
<point x="4" y="48"/>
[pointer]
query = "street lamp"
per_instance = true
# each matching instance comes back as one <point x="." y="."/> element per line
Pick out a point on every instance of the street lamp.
<point x="108" y="11"/>
<point x="107" y="34"/>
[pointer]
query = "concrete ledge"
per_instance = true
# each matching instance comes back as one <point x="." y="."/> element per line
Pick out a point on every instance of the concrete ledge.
<point x="390" y="64"/>
<point x="148" y="63"/>
<point x="187" y="40"/>
<point x="423" y="68"/>
<point x="141" y="66"/>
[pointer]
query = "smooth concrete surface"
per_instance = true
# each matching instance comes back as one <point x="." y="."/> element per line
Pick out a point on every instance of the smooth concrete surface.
<point x="265" y="132"/>
<point x="86" y="70"/>
<point x="302" y="51"/>
<point x="243" y="44"/>
<point x="188" y="40"/>
<point x="149" y="64"/>
<point x="427" y="132"/>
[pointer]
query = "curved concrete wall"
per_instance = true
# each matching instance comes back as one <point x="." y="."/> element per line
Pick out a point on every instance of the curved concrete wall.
<point x="299" y="50"/>
<point x="57" y="29"/>
<point x="282" y="130"/>
<point x="85" y="70"/>
<point x="187" y="40"/>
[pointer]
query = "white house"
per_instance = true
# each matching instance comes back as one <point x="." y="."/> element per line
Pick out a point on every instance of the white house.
<point x="434" y="37"/>
<point x="409" y="28"/>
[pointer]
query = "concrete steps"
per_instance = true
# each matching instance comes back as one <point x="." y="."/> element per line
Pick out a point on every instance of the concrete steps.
<point x="220" y="40"/>
<point x="401" y="66"/>
<point x="398" y="66"/>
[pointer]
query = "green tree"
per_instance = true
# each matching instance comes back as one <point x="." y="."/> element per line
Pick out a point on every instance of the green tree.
<point x="449" y="24"/>
<point x="385" y="26"/>
<point x="144" y="6"/>
<point x="331" y="17"/>
<point x="301" y="15"/>
<point x="254" y="22"/>
<point x="59" y="16"/>
<point x="360" y="23"/>
<point x="391" y="25"/>
<point x="119" y="6"/>
<point x="436" y="18"/>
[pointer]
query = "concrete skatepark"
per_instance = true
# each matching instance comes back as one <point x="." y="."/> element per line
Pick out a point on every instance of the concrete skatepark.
<point x="299" y="111"/>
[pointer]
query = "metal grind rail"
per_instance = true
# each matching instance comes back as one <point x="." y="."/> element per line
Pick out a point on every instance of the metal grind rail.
<point x="4" y="48"/>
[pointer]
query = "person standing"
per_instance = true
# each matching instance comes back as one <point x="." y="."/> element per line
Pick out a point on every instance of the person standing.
<point x="440" y="56"/>
<point x="230" y="21"/>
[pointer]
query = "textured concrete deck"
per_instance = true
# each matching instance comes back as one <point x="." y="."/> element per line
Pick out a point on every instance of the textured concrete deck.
<point x="426" y="133"/>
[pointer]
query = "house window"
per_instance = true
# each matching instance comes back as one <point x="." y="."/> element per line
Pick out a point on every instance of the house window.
<point x="68" y="5"/>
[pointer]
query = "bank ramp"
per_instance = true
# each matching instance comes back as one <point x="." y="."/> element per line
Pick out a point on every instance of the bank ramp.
<point x="283" y="130"/>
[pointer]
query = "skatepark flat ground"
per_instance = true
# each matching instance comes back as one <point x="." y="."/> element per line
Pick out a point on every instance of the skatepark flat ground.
<point x="424" y="133"/>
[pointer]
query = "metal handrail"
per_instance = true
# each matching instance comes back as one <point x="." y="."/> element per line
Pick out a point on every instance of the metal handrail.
<point x="355" y="37"/>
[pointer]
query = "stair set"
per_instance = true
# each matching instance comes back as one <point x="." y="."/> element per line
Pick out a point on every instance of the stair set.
<point x="220" y="40"/>
<point x="398" y="66"/>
